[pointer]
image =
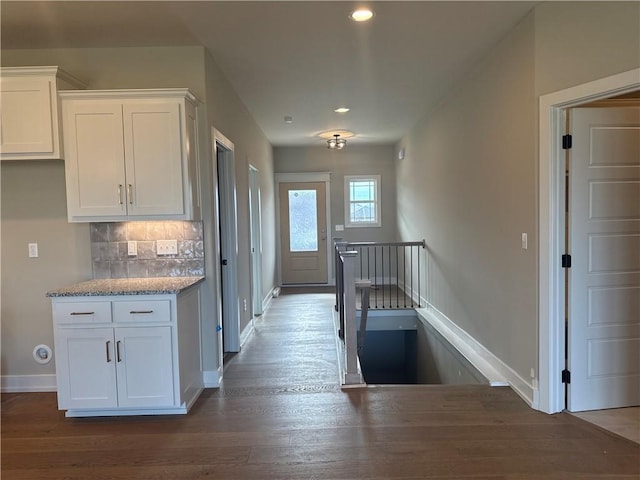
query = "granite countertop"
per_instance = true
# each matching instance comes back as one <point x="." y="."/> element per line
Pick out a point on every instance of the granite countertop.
<point x="127" y="286"/>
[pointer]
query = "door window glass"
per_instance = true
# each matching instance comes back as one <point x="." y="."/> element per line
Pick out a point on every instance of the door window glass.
<point x="303" y="221"/>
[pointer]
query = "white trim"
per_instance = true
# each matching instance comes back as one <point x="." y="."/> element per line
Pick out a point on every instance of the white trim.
<point x="255" y="240"/>
<point x="490" y="366"/>
<point x="247" y="331"/>
<point x="551" y="226"/>
<point x="28" y="383"/>
<point x="377" y="179"/>
<point x="266" y="301"/>
<point x="301" y="178"/>
<point x="212" y="378"/>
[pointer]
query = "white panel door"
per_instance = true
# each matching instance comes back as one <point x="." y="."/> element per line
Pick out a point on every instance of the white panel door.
<point x="153" y="156"/>
<point x="85" y="368"/>
<point x="144" y="360"/>
<point x="604" y="242"/>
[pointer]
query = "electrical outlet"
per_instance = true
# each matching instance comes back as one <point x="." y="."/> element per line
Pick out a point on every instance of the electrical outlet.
<point x="244" y="304"/>
<point x="166" y="247"/>
<point x="132" y="248"/>
<point x="33" y="250"/>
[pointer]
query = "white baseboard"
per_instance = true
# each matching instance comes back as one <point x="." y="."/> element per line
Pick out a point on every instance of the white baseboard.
<point x="246" y="332"/>
<point x="28" y="383"/>
<point x="266" y="301"/>
<point x="212" y="378"/>
<point x="495" y="370"/>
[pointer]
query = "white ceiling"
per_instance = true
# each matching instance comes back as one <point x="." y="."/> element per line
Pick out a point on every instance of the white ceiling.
<point x="297" y="58"/>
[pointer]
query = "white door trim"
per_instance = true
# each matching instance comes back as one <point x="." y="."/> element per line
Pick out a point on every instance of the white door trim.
<point x="551" y="227"/>
<point x="227" y="242"/>
<point x="306" y="177"/>
<point x="255" y="231"/>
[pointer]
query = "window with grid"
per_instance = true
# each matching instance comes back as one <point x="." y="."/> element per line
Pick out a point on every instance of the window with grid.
<point x="362" y="201"/>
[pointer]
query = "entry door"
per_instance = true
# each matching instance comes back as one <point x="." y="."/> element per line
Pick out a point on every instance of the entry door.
<point x="604" y="242"/>
<point x="303" y="233"/>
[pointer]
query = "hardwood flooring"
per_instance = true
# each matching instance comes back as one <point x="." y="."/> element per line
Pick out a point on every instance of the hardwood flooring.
<point x="281" y="415"/>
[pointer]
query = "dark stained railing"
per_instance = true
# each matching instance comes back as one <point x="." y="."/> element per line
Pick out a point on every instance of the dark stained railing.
<point x="394" y="269"/>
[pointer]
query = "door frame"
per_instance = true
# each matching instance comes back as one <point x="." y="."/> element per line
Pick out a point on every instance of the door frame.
<point x="302" y="178"/>
<point x="227" y="242"/>
<point x="255" y="234"/>
<point x="551" y="228"/>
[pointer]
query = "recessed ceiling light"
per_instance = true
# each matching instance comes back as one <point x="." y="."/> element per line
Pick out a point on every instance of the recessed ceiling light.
<point x="342" y="110"/>
<point x="361" y="15"/>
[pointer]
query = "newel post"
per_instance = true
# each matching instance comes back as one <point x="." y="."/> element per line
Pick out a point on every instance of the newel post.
<point x="351" y="374"/>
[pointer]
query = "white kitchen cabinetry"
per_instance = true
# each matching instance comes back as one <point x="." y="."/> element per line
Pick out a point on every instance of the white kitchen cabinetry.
<point x="29" y="118"/>
<point x="131" y="155"/>
<point x="127" y="355"/>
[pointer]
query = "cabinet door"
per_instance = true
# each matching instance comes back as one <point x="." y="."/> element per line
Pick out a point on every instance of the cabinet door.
<point x="85" y="368"/>
<point x="153" y="152"/>
<point x="27" y="117"/>
<point x="144" y="366"/>
<point x="94" y="164"/>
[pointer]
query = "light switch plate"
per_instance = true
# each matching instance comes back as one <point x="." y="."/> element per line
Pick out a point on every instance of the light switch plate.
<point x="166" y="247"/>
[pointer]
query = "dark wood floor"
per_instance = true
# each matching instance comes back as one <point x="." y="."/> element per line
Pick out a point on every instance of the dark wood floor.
<point x="280" y="415"/>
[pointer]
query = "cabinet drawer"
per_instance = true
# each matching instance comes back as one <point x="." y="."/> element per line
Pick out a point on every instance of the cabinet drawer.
<point x="82" y="312"/>
<point x="142" y="311"/>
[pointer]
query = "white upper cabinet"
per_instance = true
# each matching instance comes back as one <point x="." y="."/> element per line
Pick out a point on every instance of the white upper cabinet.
<point x="29" y="117"/>
<point x="131" y="155"/>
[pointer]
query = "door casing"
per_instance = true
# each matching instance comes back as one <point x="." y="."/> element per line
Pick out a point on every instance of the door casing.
<point x="227" y="217"/>
<point x="549" y="395"/>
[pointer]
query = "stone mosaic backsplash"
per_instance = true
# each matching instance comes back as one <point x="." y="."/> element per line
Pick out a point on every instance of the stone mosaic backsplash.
<point x="109" y="249"/>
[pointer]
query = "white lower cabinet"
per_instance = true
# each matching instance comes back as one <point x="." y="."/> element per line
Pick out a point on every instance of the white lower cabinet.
<point x="121" y="356"/>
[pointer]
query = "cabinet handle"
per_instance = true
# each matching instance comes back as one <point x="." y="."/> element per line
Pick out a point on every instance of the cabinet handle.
<point x="118" y="357"/>
<point x="108" y="356"/>
<point x="130" y="194"/>
<point x="120" y="194"/>
<point x="82" y="313"/>
<point x="140" y="312"/>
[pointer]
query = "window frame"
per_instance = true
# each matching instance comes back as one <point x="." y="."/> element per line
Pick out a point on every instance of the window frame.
<point x="348" y="223"/>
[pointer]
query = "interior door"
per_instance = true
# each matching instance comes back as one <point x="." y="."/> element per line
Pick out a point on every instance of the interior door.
<point x="303" y="228"/>
<point x="604" y="242"/>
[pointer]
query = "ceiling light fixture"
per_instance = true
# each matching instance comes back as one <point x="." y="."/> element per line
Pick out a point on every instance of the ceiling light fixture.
<point x="336" y="143"/>
<point x="342" y="109"/>
<point x="361" y="15"/>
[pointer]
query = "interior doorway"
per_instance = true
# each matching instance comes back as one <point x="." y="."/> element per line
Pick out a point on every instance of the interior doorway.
<point x="550" y="396"/>
<point x="227" y="233"/>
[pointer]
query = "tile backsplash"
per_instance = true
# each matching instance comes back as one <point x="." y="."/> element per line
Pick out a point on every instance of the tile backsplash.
<point x="109" y="249"/>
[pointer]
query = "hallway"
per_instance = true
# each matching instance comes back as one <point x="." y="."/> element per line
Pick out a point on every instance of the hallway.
<point x="280" y="414"/>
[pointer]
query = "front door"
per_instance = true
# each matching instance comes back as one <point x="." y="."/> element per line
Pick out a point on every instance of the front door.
<point x="303" y="233"/>
<point x="604" y="242"/>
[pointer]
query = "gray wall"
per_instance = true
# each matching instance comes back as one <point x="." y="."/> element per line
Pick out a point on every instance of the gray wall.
<point x="469" y="182"/>
<point x="227" y="113"/>
<point x="353" y="160"/>
<point x="34" y="209"/>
